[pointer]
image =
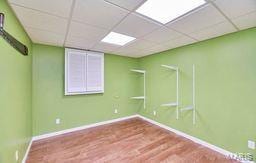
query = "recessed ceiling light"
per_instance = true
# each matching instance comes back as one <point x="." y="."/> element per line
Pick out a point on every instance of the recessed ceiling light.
<point x="165" y="11"/>
<point x="117" y="39"/>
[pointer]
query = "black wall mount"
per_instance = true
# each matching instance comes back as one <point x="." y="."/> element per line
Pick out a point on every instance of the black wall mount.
<point x="10" y="39"/>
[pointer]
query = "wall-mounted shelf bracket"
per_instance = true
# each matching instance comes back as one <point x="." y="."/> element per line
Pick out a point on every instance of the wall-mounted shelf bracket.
<point x="174" y="104"/>
<point x="144" y="87"/>
<point x="170" y="104"/>
<point x="139" y="71"/>
<point x="193" y="106"/>
<point x="170" y="67"/>
<point x="187" y="108"/>
<point x="138" y="98"/>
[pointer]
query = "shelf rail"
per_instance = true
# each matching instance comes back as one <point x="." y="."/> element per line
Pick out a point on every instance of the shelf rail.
<point x="174" y="104"/>
<point x="144" y="87"/>
<point x="193" y="106"/>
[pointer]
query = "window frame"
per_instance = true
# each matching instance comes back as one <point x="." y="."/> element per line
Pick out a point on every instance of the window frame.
<point x="70" y="50"/>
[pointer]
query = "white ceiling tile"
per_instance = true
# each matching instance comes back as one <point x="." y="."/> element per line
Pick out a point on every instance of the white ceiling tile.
<point x="98" y="13"/>
<point x="158" y="48"/>
<point x="161" y="35"/>
<point x="127" y="4"/>
<point x="214" y="31"/>
<point x="39" y="20"/>
<point x="136" y="26"/>
<point x="105" y="47"/>
<point x="138" y="55"/>
<point x="139" y="44"/>
<point x="45" y="37"/>
<point x="146" y="50"/>
<point x="57" y="7"/>
<point x="142" y="54"/>
<point x="235" y="8"/>
<point x="126" y="52"/>
<point x="86" y="31"/>
<point x="202" y="18"/>
<point x="246" y="21"/>
<point x="144" y="47"/>
<point x="178" y="42"/>
<point x="79" y="42"/>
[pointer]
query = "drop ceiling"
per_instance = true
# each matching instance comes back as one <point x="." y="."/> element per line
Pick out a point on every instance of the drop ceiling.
<point x="84" y="23"/>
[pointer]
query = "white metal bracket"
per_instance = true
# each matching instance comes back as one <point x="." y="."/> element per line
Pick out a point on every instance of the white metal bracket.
<point x="144" y="87"/>
<point x="172" y="104"/>
<point x="193" y="106"/>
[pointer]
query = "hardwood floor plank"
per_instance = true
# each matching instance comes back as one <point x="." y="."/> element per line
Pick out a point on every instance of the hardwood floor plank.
<point x="133" y="140"/>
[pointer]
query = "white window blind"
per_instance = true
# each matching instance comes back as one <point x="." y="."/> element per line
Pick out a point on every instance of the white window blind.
<point x="94" y="72"/>
<point x="84" y="72"/>
<point x="76" y="72"/>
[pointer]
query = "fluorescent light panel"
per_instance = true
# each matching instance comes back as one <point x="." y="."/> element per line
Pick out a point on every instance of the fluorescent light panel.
<point x="117" y="39"/>
<point x="165" y="11"/>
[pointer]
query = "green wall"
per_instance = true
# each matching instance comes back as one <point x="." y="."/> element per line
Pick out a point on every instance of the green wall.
<point x="15" y="92"/>
<point x="225" y="89"/>
<point x="50" y="103"/>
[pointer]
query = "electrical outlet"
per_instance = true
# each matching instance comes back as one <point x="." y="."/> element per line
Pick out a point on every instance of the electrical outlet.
<point x="116" y="111"/>
<point x="251" y="144"/>
<point x="57" y="121"/>
<point x="154" y="112"/>
<point x="16" y="155"/>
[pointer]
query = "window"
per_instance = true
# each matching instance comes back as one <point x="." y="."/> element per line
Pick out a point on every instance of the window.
<point x="84" y="72"/>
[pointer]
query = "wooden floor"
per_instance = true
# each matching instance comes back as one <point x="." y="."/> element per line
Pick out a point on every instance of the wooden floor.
<point x="132" y="140"/>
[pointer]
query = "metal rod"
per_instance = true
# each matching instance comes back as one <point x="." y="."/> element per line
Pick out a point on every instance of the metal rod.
<point x="139" y="71"/>
<point x="187" y="108"/>
<point x="170" y="67"/>
<point x="170" y="104"/>
<point x="177" y="93"/>
<point x="194" y="101"/>
<point x="144" y="89"/>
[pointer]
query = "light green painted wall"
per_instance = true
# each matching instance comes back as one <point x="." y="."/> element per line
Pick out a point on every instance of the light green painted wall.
<point x="15" y="92"/>
<point x="50" y="103"/>
<point x="225" y="89"/>
<point x="225" y="77"/>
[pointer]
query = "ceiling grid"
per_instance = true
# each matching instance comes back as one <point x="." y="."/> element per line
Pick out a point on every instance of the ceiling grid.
<point x="83" y="24"/>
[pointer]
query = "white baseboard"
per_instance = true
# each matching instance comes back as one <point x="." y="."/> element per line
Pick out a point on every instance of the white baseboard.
<point x="81" y="128"/>
<point x="27" y="151"/>
<point x="72" y="130"/>
<point x="194" y="139"/>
